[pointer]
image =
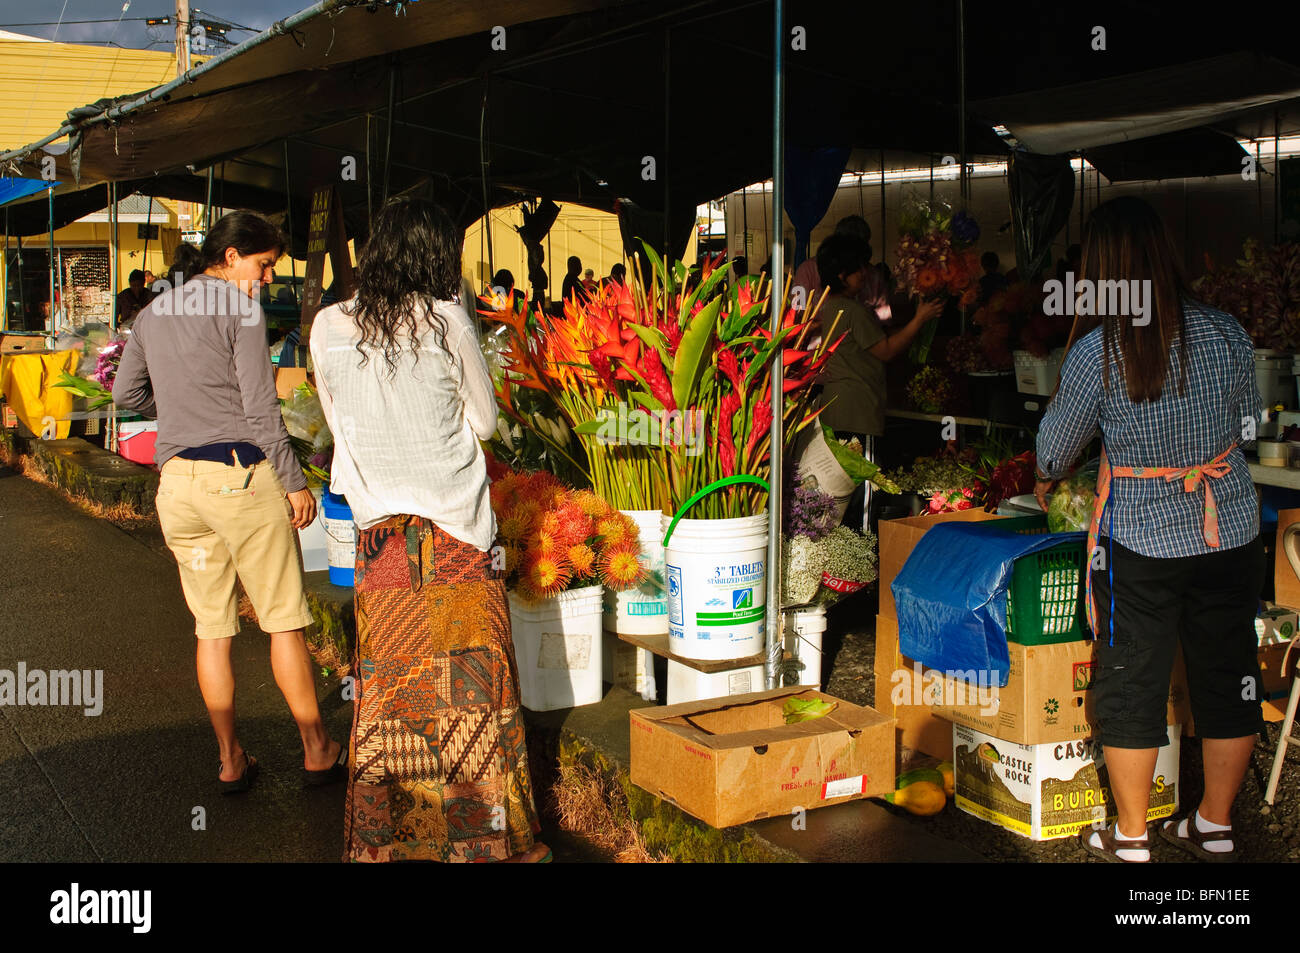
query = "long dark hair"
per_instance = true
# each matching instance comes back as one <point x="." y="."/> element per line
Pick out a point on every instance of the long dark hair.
<point x="413" y="251"/>
<point x="1125" y="240"/>
<point x="187" y="261"/>
<point x="247" y="232"/>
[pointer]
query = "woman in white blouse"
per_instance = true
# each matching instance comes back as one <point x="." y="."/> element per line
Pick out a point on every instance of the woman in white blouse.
<point x="438" y="760"/>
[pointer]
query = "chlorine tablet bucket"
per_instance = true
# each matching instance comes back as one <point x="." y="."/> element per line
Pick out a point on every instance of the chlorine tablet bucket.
<point x="342" y="533"/>
<point x="804" y="628"/>
<point x="717" y="581"/>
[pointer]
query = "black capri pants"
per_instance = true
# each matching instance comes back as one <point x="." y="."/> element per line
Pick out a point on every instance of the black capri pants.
<point x="1208" y="601"/>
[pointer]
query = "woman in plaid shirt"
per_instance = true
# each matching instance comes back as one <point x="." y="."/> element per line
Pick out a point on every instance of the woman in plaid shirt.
<point x="1175" y="550"/>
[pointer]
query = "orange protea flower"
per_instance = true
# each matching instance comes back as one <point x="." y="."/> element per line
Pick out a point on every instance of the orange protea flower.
<point x="616" y="529"/>
<point x="620" y="568"/>
<point x="542" y="543"/>
<point x="515" y="525"/>
<point x="590" y="503"/>
<point x="549" y="523"/>
<point x="514" y="554"/>
<point x="546" y="576"/>
<point x="583" y="559"/>
<point x="928" y="279"/>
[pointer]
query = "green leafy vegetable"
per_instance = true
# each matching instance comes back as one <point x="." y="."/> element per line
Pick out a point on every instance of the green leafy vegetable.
<point x="1070" y="510"/>
<point x="805" y="709"/>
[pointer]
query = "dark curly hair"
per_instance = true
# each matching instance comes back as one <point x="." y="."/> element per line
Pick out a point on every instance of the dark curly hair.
<point x="412" y="257"/>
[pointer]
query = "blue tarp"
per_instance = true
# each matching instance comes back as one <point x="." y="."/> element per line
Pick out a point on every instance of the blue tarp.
<point x="11" y="190"/>
<point x="951" y="596"/>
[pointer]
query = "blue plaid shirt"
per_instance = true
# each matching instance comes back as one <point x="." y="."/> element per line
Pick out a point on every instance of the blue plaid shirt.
<point x="1151" y="516"/>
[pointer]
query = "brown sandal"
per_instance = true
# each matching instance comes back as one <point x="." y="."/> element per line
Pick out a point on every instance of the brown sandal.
<point x="1196" y="838"/>
<point x="1110" y="845"/>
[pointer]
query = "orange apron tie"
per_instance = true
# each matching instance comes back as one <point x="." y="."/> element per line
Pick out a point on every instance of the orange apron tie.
<point x="1192" y="479"/>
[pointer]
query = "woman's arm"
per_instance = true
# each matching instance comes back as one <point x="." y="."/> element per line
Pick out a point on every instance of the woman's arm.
<point x="256" y="382"/>
<point x="895" y="344"/>
<point x="1073" y="415"/>
<point x="132" y="389"/>
<point x="475" y="379"/>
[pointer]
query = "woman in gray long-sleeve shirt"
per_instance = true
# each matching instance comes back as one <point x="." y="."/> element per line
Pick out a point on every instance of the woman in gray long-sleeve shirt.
<point x="231" y="494"/>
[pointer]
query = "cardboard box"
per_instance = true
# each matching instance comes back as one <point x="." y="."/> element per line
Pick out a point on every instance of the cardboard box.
<point x="1286" y="585"/>
<point x="888" y="657"/>
<point x="1276" y="679"/>
<point x="1046" y="791"/>
<point x="916" y="727"/>
<point x="1276" y="625"/>
<point x="287" y="378"/>
<point x="1046" y="698"/>
<point x="899" y="537"/>
<point x="732" y="760"/>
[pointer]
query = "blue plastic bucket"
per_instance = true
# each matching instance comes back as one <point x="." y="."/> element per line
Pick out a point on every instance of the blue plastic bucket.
<point x="342" y="533"/>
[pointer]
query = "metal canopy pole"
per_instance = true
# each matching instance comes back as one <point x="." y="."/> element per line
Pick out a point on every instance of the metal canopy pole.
<point x="4" y="313"/>
<point x="961" y="96"/>
<point x="49" y="325"/>
<point x="207" y="208"/>
<point x="483" y="170"/>
<point x="772" y="627"/>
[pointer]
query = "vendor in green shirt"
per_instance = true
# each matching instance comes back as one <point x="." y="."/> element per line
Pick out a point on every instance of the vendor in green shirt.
<point x="853" y="396"/>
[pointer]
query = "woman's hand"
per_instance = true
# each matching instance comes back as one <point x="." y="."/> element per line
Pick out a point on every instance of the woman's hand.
<point x="927" y="311"/>
<point x="304" y="508"/>
<point x="1041" y="489"/>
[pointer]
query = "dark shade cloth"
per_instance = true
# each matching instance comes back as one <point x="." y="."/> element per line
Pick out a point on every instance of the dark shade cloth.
<point x="438" y="759"/>
<point x="812" y="177"/>
<point x="1042" y="193"/>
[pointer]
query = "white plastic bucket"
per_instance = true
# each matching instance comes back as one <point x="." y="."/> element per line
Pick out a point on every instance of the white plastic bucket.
<point x="342" y="532"/>
<point x="685" y="684"/>
<point x="644" y="610"/>
<point x="558" y="649"/>
<point x="628" y="666"/>
<point x="314" y="541"/>
<point x="716" y="574"/>
<point x="803" y="639"/>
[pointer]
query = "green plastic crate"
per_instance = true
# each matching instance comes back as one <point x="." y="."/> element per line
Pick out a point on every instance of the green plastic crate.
<point x="1045" y="596"/>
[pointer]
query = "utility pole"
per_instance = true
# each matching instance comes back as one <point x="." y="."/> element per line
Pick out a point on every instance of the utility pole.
<point x="182" y="37"/>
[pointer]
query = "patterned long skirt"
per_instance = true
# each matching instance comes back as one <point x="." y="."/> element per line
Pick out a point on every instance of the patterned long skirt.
<point x="438" y="764"/>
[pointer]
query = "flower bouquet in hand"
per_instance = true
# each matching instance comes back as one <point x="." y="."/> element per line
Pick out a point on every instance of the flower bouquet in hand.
<point x="557" y="539"/>
<point x="935" y="259"/>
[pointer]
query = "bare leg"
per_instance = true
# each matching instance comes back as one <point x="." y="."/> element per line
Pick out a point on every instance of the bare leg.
<point x="294" y="674"/>
<point x="1226" y="760"/>
<point x="217" y="683"/>
<point x="1131" y="770"/>
<point x="530" y="856"/>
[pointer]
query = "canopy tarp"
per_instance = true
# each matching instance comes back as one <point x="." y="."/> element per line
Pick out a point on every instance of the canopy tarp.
<point x="12" y="190"/>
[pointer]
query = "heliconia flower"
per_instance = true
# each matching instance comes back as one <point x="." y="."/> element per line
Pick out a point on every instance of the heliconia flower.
<point x="727" y="410"/>
<point x="620" y="567"/>
<point x="583" y="559"/>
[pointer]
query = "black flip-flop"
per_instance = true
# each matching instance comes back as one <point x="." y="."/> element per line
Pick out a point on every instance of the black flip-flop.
<point x="338" y="771"/>
<point x="244" y="781"/>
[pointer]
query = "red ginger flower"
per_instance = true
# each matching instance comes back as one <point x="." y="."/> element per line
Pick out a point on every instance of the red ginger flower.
<point x="653" y="371"/>
<point x="762" y="420"/>
<point x="727" y="410"/>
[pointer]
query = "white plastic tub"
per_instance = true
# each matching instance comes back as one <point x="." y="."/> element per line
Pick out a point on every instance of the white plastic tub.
<point x="314" y="541"/>
<point x="803" y="639"/>
<point x="716" y="573"/>
<point x="628" y="666"/>
<point x="558" y="649"/>
<point x="685" y="684"/>
<point x="1037" y="375"/>
<point x="644" y="610"/>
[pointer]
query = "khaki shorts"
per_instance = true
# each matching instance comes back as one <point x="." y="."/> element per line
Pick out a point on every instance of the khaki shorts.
<point x="217" y="527"/>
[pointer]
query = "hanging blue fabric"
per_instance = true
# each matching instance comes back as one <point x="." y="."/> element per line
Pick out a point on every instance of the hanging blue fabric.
<point x="812" y="176"/>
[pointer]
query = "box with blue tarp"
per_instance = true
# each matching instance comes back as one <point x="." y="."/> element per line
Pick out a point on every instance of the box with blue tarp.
<point x="956" y="595"/>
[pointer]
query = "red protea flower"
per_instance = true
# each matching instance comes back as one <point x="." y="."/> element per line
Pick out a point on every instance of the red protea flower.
<point x="573" y="525"/>
<point x="730" y="368"/>
<point x="620" y="567"/>
<point x="762" y="420"/>
<point x="653" y="372"/>
<point x="727" y="410"/>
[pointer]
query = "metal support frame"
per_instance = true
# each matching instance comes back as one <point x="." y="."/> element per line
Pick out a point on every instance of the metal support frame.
<point x="773" y="628"/>
<point x="49" y="324"/>
<point x="961" y="97"/>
